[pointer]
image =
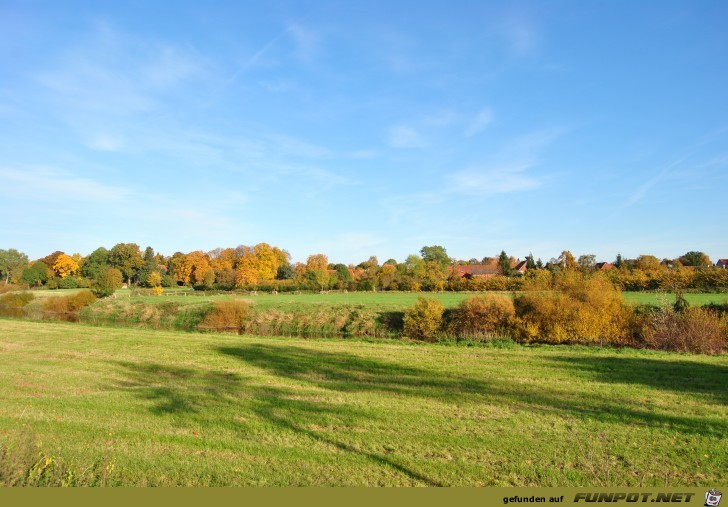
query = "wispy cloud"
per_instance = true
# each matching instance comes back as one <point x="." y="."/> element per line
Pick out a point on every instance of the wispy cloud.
<point x="521" y="36"/>
<point x="643" y="189"/>
<point x="402" y="136"/>
<point x="494" y="180"/>
<point x="50" y="184"/>
<point x="112" y="73"/>
<point x="480" y="122"/>
<point x="105" y="142"/>
<point x="307" y="42"/>
<point x="298" y="148"/>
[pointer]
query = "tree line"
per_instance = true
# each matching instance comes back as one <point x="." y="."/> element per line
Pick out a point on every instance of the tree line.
<point x="266" y="267"/>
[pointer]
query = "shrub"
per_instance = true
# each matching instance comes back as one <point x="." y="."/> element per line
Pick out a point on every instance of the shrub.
<point x="107" y="282"/>
<point x="8" y="288"/>
<point x="67" y="304"/>
<point x="581" y="310"/>
<point x="69" y="282"/>
<point x="695" y="330"/>
<point x="16" y="299"/>
<point x="483" y="316"/>
<point x="424" y="320"/>
<point x="226" y="316"/>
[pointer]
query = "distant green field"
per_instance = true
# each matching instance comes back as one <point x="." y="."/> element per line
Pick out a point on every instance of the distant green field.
<point x="140" y="407"/>
<point x="388" y="301"/>
<point x="385" y="301"/>
<point x="694" y="299"/>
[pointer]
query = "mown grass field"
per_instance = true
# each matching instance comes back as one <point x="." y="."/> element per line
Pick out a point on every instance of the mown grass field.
<point x="163" y="408"/>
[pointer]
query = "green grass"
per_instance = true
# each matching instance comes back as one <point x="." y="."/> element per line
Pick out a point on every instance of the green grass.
<point x="393" y="301"/>
<point x="144" y="407"/>
<point x="386" y="301"/>
<point x="697" y="299"/>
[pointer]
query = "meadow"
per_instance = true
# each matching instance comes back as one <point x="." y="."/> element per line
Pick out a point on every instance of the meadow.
<point x="385" y="301"/>
<point x="83" y="405"/>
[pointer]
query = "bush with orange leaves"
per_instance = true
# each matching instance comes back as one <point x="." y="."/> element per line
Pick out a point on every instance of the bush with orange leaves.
<point x="579" y="309"/>
<point x="482" y="317"/>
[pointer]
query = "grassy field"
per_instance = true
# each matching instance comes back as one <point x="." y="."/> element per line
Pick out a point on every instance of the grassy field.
<point x="385" y="301"/>
<point x="119" y="406"/>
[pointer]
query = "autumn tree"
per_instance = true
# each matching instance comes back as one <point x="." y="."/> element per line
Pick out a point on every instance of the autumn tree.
<point x="317" y="262"/>
<point x="65" y="266"/>
<point x="50" y="260"/>
<point x="154" y="279"/>
<point x="648" y="263"/>
<point x="567" y="261"/>
<point x="317" y="270"/>
<point x="386" y="276"/>
<point x="12" y="264"/>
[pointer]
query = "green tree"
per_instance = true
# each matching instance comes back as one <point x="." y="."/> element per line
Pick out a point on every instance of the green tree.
<point x="95" y="263"/>
<point x="504" y="263"/>
<point x="436" y="254"/>
<point x="107" y="282"/>
<point x="285" y="272"/>
<point x="587" y="263"/>
<point x="530" y="263"/>
<point x="36" y="275"/>
<point x="12" y="264"/>
<point x="696" y="259"/>
<point x="127" y="258"/>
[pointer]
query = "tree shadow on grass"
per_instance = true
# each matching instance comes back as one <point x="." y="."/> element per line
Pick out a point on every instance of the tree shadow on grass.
<point x="295" y="402"/>
<point x="683" y="377"/>
<point x="207" y="399"/>
<point x="345" y="372"/>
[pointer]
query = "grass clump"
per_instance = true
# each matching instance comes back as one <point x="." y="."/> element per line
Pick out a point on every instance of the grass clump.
<point x="25" y="463"/>
<point x="226" y="316"/>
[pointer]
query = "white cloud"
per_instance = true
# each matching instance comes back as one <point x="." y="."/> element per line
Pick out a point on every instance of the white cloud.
<point x="401" y="136"/>
<point x="479" y="123"/>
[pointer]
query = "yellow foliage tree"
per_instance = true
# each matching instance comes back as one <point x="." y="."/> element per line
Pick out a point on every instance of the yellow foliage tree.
<point x="154" y="279"/>
<point x="65" y="266"/>
<point x="317" y="262"/>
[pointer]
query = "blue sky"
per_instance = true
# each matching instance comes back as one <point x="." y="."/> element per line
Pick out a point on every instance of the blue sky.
<point x="360" y="128"/>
